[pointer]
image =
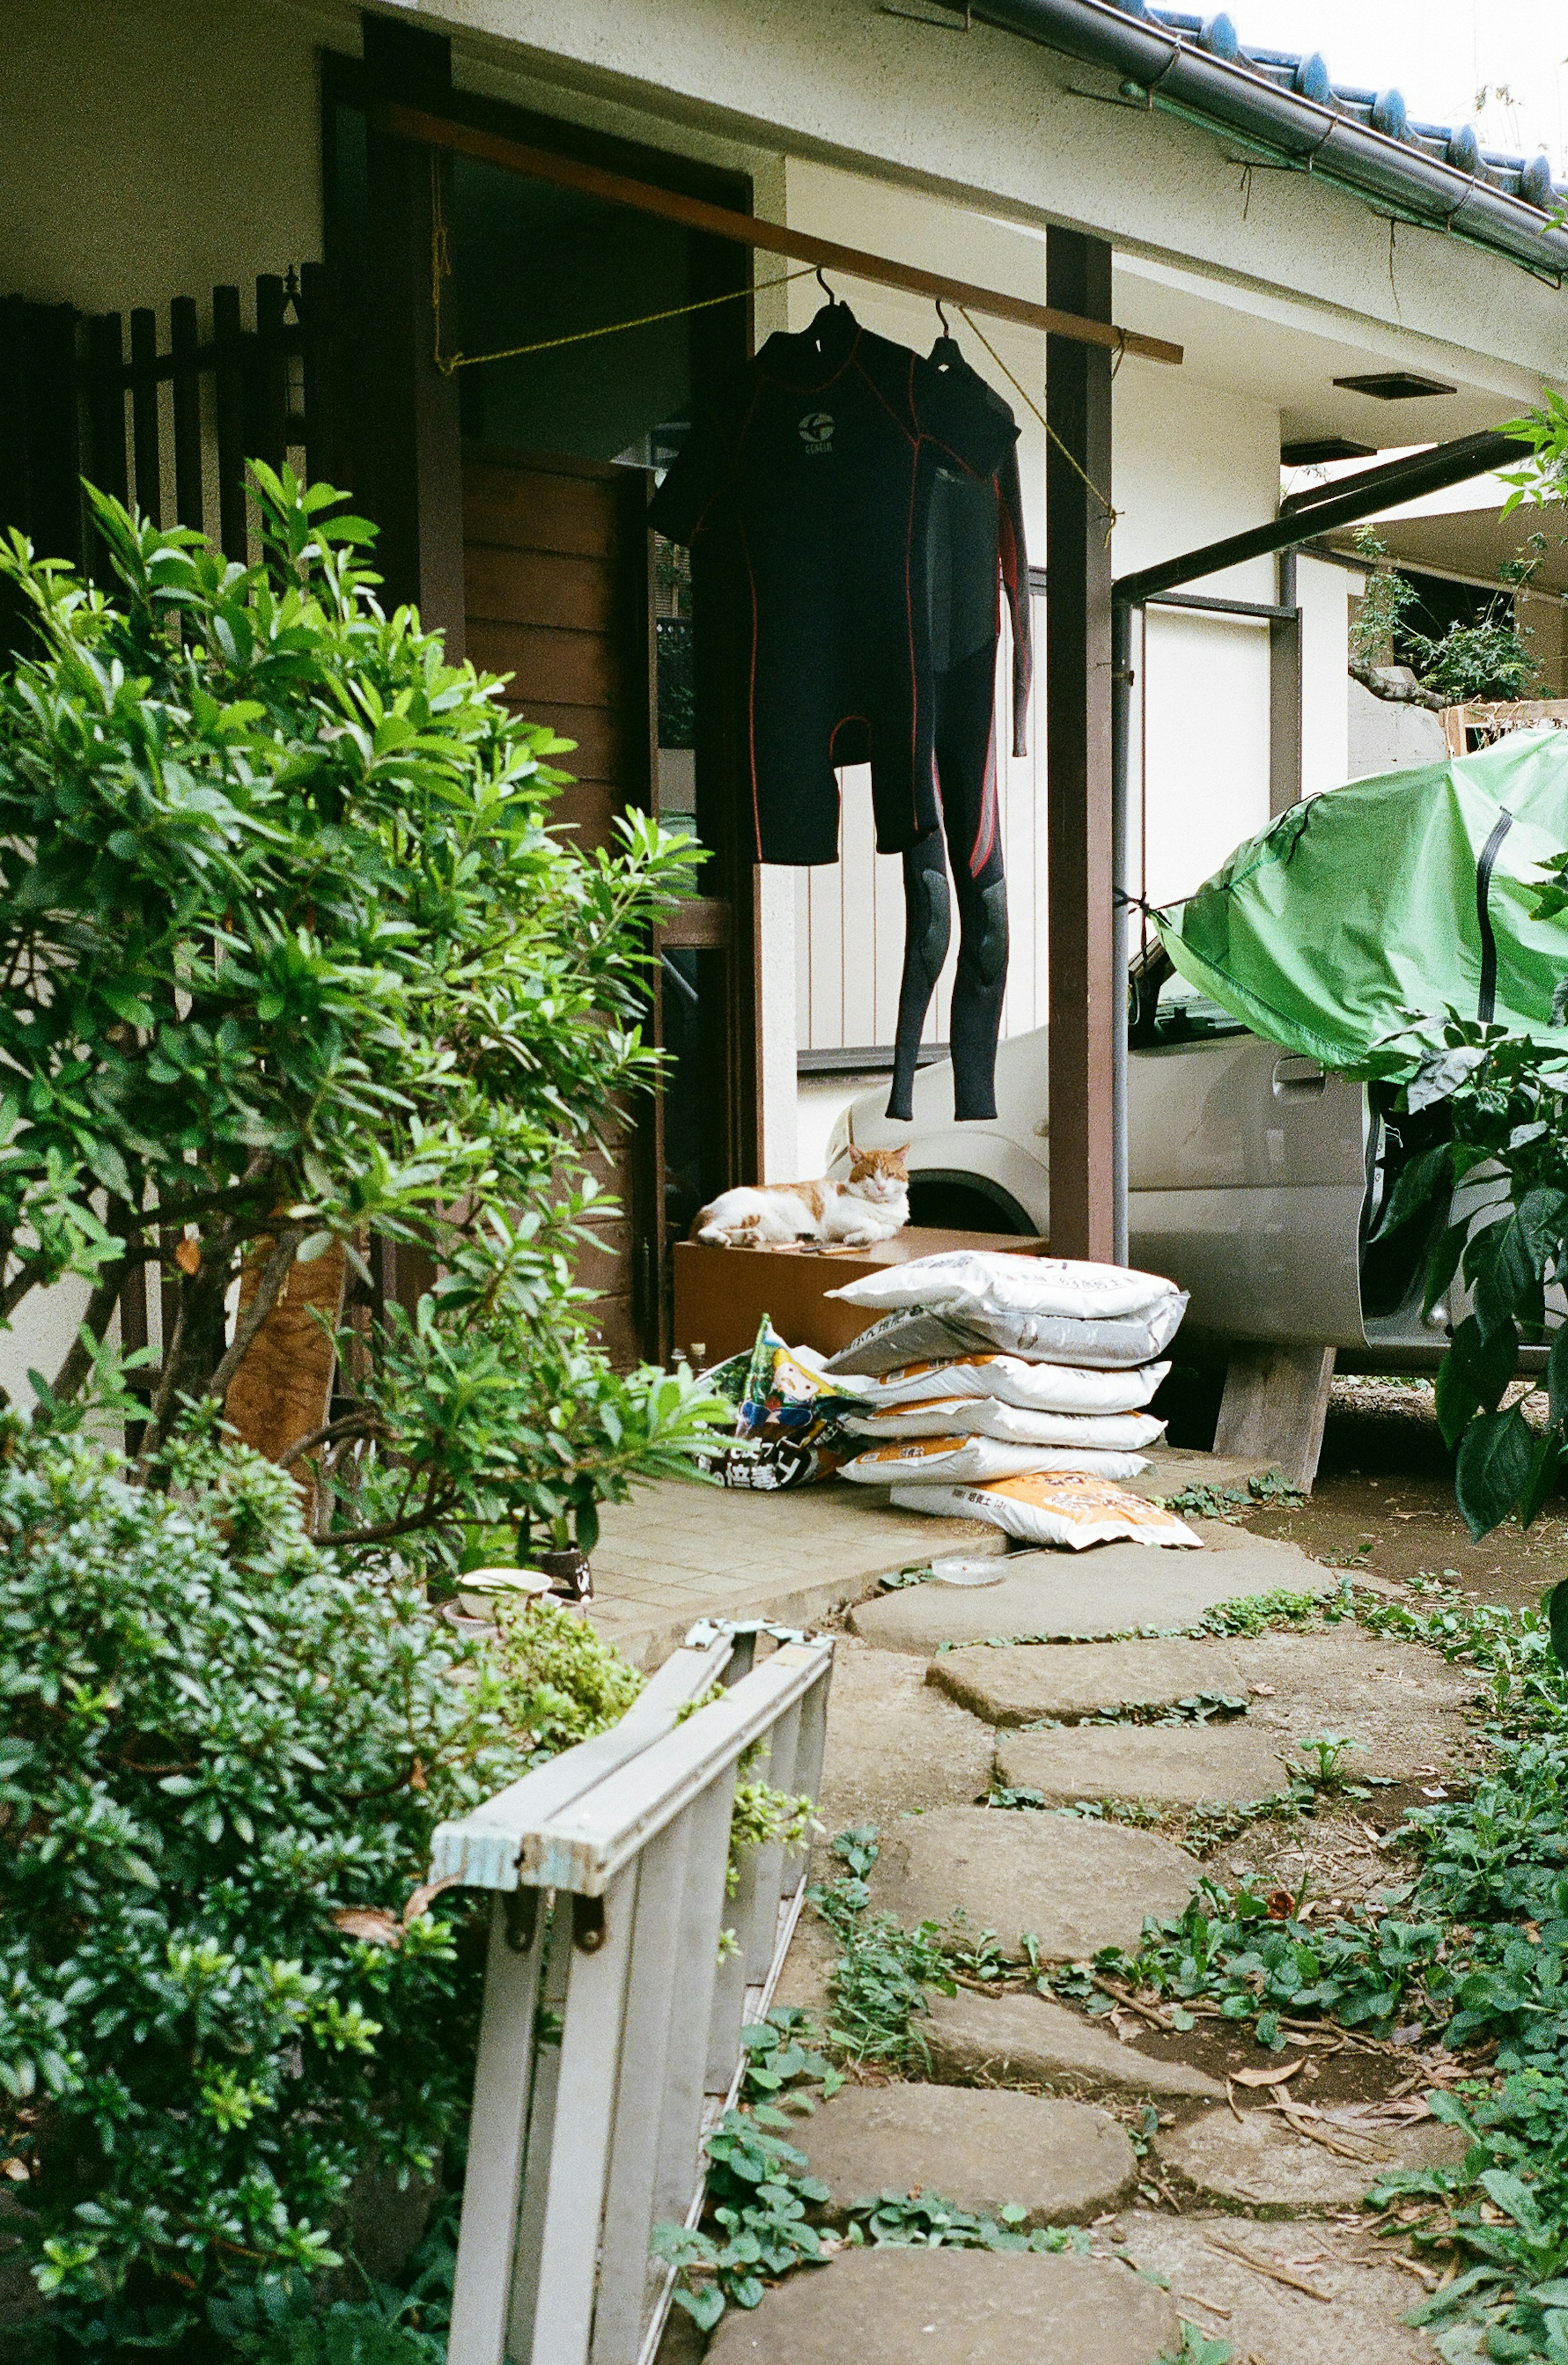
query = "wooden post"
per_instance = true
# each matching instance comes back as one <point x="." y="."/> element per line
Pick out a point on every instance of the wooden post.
<point x="148" y="474"/>
<point x="184" y="341"/>
<point x="1275" y="1403"/>
<point x="1078" y="753"/>
<point x="410" y="483"/>
<point x="1285" y="691"/>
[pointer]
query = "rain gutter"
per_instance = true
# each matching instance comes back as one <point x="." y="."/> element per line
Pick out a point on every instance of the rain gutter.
<point x="1158" y="68"/>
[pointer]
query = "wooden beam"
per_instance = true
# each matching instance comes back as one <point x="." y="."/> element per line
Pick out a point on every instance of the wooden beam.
<point x="408" y="438"/>
<point x="773" y="238"/>
<point x="1078" y="758"/>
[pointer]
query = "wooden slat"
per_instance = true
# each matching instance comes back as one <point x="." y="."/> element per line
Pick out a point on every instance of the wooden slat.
<point x="552" y="668"/>
<point x="773" y="238"/>
<point x="530" y="586"/>
<point x="184" y="339"/>
<point x="229" y="401"/>
<point x="148" y="471"/>
<point x="523" y="509"/>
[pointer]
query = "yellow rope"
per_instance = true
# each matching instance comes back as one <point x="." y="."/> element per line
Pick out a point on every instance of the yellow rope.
<point x="1022" y="391"/>
<point x="441" y="268"/>
<point x="450" y="363"/>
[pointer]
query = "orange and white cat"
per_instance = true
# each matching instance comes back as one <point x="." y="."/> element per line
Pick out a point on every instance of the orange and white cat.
<point x="871" y="1204"/>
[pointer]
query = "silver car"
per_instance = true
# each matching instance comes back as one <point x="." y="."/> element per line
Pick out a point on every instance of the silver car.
<point x="1257" y="1179"/>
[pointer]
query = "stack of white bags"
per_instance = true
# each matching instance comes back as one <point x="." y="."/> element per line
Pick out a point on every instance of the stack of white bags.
<point x="1014" y="1389"/>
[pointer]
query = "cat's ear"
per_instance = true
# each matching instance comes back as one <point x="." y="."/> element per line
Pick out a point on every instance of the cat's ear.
<point x="899" y="1157"/>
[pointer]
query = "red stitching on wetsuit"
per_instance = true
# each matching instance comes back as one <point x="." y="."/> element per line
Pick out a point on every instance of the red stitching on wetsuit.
<point x="985" y="835"/>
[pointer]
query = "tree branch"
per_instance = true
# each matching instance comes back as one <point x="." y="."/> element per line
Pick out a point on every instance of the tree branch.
<point x="275" y="1272"/>
<point x="99" y="1312"/>
<point x="349" y="1424"/>
<point x="1397" y="694"/>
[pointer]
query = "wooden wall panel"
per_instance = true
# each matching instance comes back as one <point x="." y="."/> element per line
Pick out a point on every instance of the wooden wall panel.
<point x="555" y="568"/>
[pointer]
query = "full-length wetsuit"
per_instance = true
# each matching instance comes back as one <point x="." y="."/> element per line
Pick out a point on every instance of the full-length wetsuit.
<point x="820" y="464"/>
<point x="975" y="558"/>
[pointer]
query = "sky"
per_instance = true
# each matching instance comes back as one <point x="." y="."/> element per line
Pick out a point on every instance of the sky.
<point x="1498" y="63"/>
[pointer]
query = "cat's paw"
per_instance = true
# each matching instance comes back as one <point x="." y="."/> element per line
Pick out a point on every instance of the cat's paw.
<point x="857" y="1240"/>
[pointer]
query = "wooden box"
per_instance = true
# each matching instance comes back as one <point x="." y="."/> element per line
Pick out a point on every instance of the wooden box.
<point x="721" y="1294"/>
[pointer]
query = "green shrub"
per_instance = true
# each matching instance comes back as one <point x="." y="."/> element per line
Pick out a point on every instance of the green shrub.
<point x="293" y="955"/>
<point x="222" y="1764"/>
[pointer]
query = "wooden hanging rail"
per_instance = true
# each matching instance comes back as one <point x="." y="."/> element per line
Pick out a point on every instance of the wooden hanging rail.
<point x="745" y="230"/>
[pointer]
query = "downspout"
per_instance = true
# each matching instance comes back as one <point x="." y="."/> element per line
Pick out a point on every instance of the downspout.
<point x="1158" y="67"/>
<point x="1121" y="731"/>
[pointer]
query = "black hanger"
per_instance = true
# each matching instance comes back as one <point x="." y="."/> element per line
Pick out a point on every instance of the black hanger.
<point x="947" y="350"/>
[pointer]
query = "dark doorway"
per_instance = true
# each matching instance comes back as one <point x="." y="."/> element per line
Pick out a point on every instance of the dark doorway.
<point x="564" y="433"/>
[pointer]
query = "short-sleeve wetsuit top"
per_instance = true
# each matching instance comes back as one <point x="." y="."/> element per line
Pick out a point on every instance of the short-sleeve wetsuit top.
<point x="820" y="462"/>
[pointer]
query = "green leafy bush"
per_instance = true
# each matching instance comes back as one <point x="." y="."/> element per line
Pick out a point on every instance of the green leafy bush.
<point x="222" y="1762"/>
<point x="293" y="956"/>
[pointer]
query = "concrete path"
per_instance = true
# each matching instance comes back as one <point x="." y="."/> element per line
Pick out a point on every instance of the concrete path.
<point x="679" y="1551"/>
<point x="1257" y="2236"/>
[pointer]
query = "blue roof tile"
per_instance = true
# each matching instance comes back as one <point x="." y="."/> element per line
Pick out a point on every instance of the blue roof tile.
<point x="1525" y="177"/>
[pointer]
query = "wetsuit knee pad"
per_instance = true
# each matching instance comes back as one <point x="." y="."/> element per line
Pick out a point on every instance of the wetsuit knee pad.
<point x="928" y="915"/>
<point x="990" y="941"/>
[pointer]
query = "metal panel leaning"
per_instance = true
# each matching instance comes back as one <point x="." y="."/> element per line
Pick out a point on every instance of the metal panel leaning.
<point x="612" y="2036"/>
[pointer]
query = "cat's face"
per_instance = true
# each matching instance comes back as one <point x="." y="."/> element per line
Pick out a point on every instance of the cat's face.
<point x="879" y="1175"/>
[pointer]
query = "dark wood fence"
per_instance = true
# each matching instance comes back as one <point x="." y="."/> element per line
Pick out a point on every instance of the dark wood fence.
<point x="78" y="399"/>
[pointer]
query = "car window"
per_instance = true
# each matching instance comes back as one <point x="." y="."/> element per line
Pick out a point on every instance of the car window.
<point x="1183" y="1014"/>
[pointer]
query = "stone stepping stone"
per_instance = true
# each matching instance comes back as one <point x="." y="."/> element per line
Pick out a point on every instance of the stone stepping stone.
<point x="1032" y="2042"/>
<point x="1061" y="2161"/>
<point x="1107" y="1589"/>
<point x="1165" y="1765"/>
<point x="1261" y="2162"/>
<point x="1363" y="2298"/>
<point x="1076" y="1680"/>
<point x="954" y="2307"/>
<point x="1073" y="1885"/>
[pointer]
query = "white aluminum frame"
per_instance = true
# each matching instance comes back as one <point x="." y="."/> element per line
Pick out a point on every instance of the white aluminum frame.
<point x="610" y="1872"/>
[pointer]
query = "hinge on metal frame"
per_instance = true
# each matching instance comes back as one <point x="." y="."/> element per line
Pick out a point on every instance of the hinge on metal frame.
<point x="520" y="1909"/>
<point x="588" y="1932"/>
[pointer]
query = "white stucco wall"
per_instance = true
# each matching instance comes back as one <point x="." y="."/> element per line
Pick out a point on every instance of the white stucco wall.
<point x="1324" y="592"/>
<point x="154" y="150"/>
<point x="1194" y="462"/>
<point x="995" y="120"/>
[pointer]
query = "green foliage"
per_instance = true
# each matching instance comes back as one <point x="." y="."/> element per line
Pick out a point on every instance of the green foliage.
<point x="755" y="2227"/>
<point x="1490" y="658"/>
<point x="1231" y="1503"/>
<point x="1384" y="603"/>
<point x="293" y="956"/>
<point x="766" y="1817"/>
<point x="277" y="2321"/>
<point x="1198" y="2349"/>
<point x="1255" y="1613"/>
<point x="1509" y="1114"/>
<point x="758" y="2193"/>
<point x="557" y="1681"/>
<point x="1233" y="1950"/>
<point x="222" y="1763"/>
<point x="783" y="2055"/>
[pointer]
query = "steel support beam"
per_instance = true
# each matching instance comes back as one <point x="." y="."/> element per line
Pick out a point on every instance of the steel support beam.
<point x="1080" y="920"/>
<point x="1322" y="509"/>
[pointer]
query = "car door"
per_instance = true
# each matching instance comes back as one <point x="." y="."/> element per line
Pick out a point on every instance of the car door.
<point x="1247" y="1172"/>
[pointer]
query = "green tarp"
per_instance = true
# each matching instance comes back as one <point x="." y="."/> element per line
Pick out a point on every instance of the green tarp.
<point x="1357" y="920"/>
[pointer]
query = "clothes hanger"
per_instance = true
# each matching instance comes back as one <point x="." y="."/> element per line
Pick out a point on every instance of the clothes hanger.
<point x="947" y="350"/>
<point x="834" y="304"/>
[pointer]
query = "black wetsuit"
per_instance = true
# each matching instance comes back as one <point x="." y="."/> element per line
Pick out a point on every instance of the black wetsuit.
<point x="975" y="557"/>
<point x="819" y="465"/>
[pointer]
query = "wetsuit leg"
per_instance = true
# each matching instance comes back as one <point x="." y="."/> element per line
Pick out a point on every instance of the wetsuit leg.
<point x="966" y="755"/>
<point x="927" y="927"/>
